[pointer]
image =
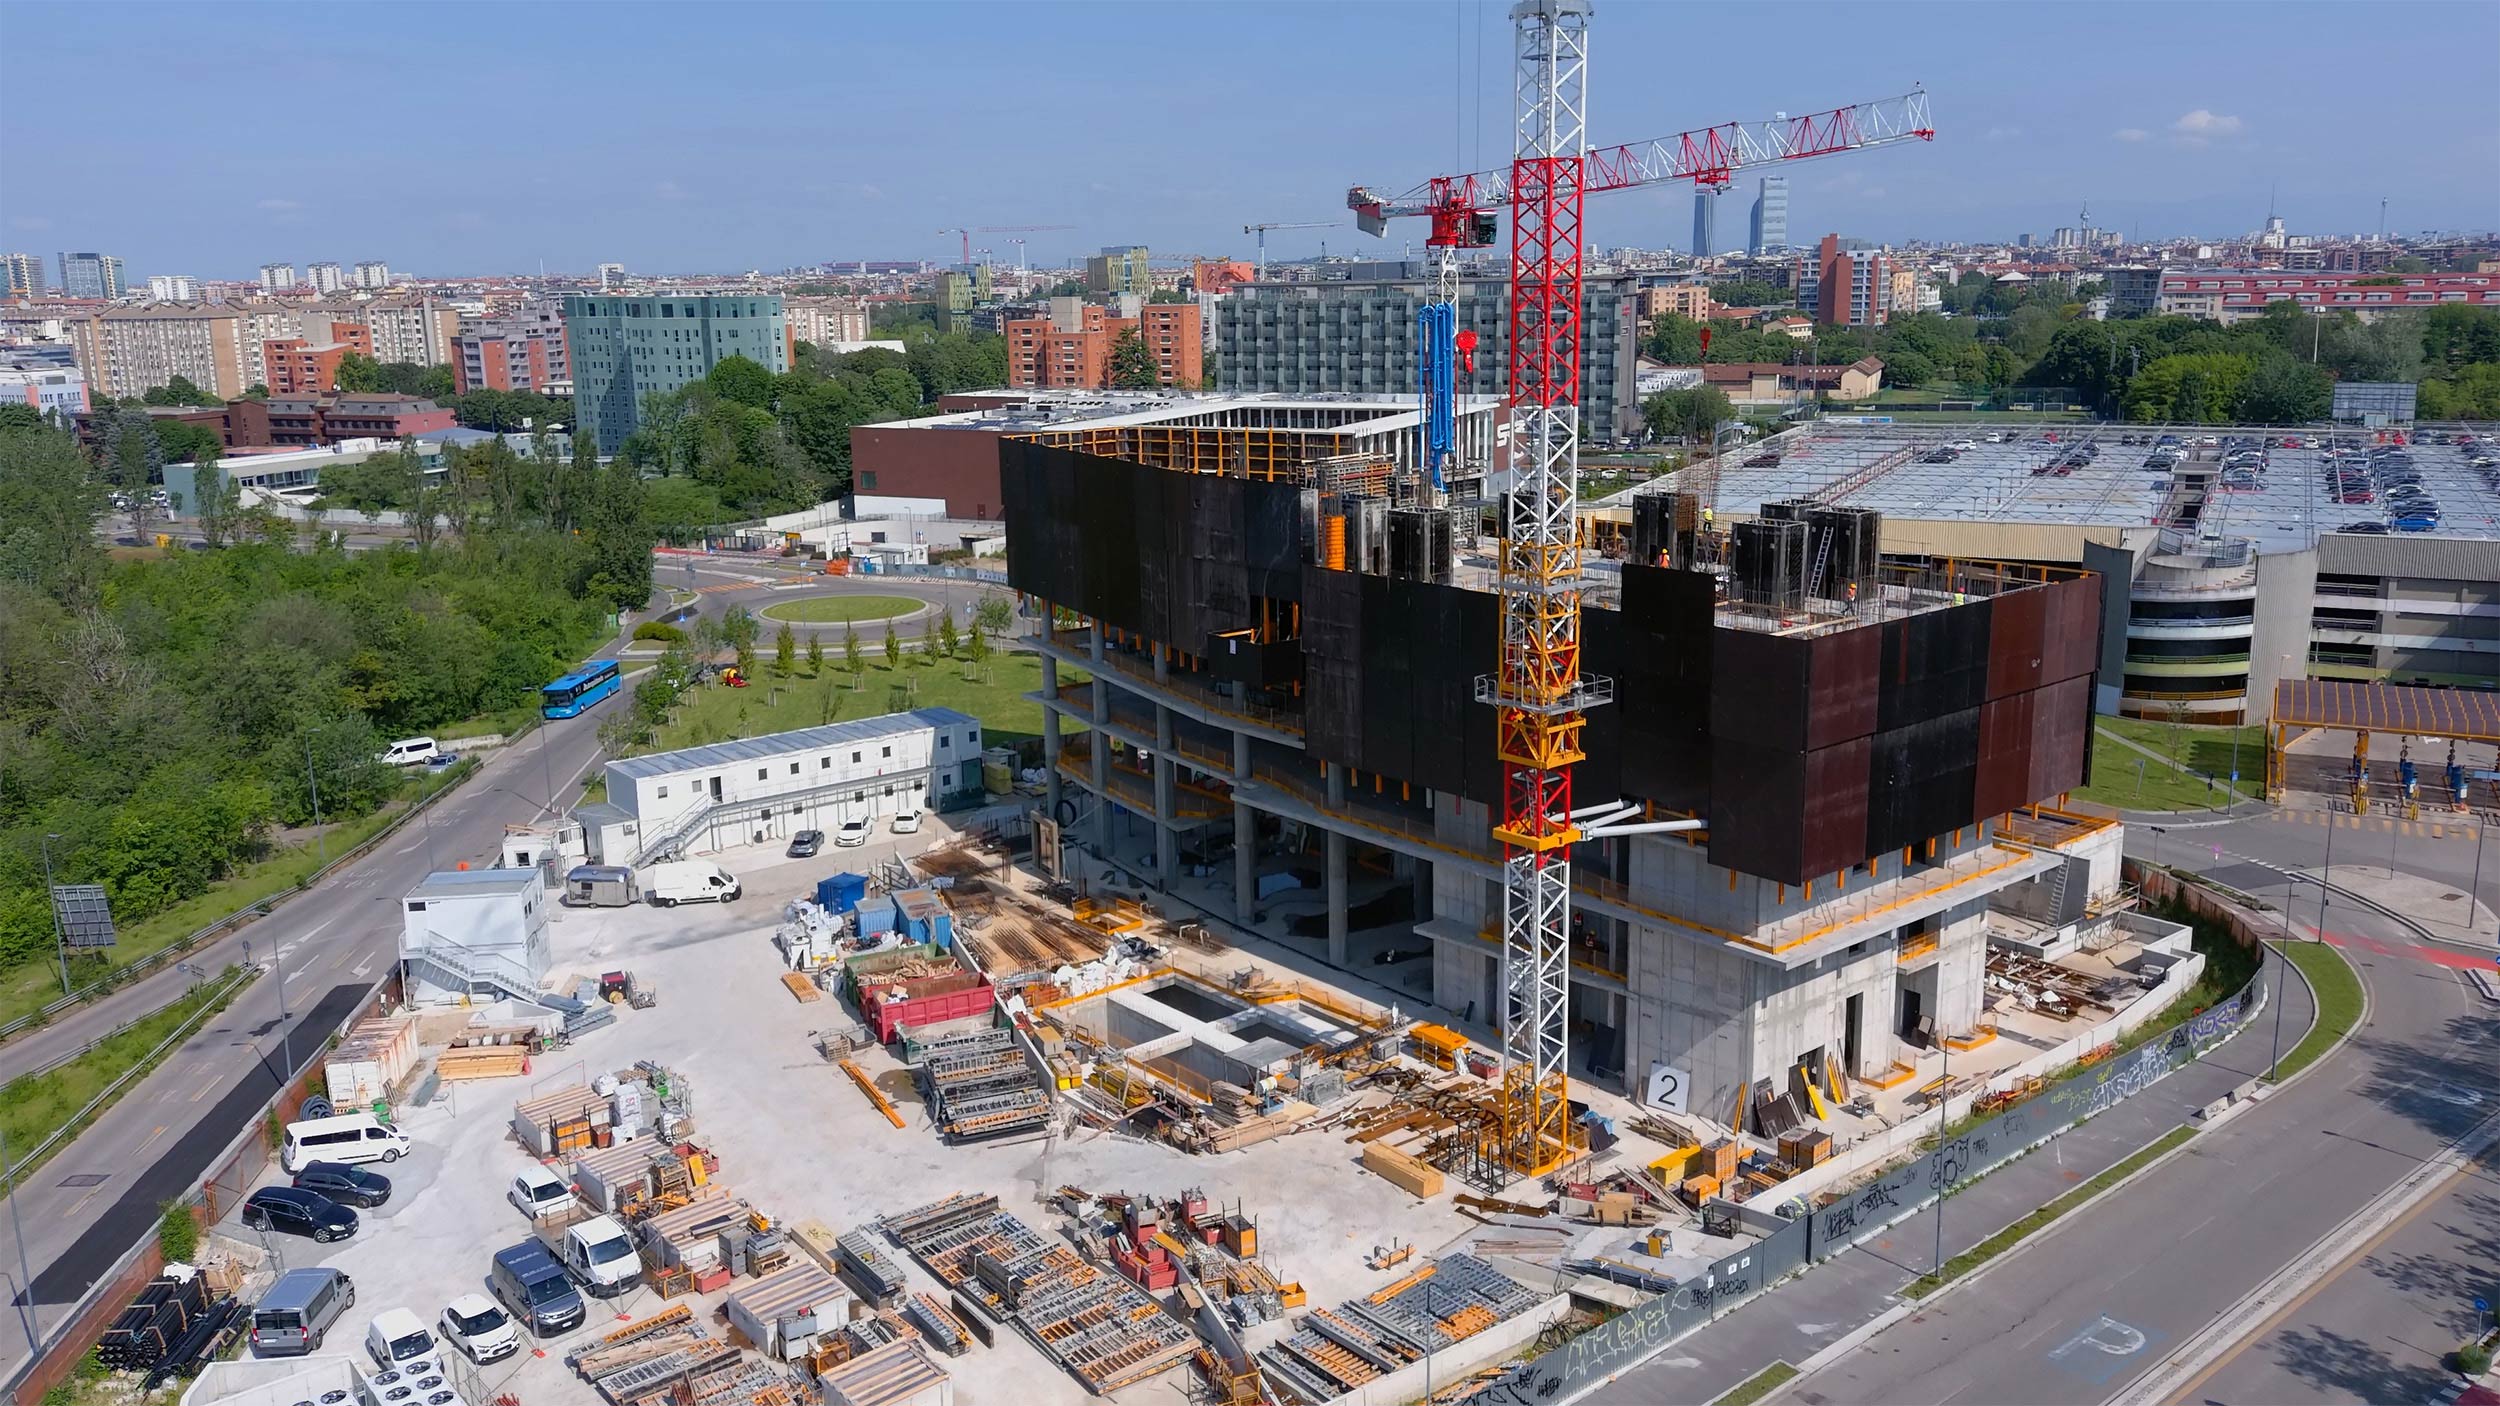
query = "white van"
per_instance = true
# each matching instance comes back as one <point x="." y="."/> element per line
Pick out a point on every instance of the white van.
<point x="349" y="1138"/>
<point x="689" y="881"/>
<point x="398" y="1342"/>
<point x="411" y="751"/>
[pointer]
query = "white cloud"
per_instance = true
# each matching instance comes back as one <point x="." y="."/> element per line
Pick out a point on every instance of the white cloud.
<point x="29" y="222"/>
<point x="2203" y="125"/>
<point x="2131" y="134"/>
<point x="670" y="190"/>
<point x="872" y="192"/>
<point x="275" y="205"/>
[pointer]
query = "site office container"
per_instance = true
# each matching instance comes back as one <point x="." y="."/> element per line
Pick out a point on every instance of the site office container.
<point x="952" y="993"/>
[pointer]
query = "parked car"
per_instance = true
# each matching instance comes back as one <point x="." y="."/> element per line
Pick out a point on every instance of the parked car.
<point x="2365" y="528"/>
<point x="296" y="1313"/>
<point x="398" y="1342"/>
<point x="292" y="1212"/>
<point x="535" y="1290"/>
<point x="539" y="1192"/>
<point x="907" y="822"/>
<point x="689" y="881"/>
<point x="410" y="751"/>
<point x="349" y="1186"/>
<point x="805" y="844"/>
<point x="476" y="1325"/>
<point x="850" y="834"/>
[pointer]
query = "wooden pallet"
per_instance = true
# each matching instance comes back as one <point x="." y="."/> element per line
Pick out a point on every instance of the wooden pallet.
<point x="801" y="987"/>
<point x="483" y="1062"/>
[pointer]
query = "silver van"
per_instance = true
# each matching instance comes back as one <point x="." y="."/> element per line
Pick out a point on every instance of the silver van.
<point x="291" y="1318"/>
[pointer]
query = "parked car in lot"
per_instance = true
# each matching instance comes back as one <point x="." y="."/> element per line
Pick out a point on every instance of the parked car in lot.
<point x="850" y="834"/>
<point x="2365" y="528"/>
<point x="539" y="1192"/>
<point x="291" y="1212"/>
<point x="398" y="1342"/>
<point x="537" y="1292"/>
<point x="805" y="844"/>
<point x="907" y="822"/>
<point x="349" y="1186"/>
<point x="295" y="1313"/>
<point x="476" y="1325"/>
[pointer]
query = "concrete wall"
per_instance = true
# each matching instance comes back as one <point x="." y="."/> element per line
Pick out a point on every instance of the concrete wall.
<point x="2287" y="586"/>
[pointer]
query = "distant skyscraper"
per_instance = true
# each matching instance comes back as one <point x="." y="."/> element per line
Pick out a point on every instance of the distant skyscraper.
<point x="23" y="275"/>
<point x="326" y="278"/>
<point x="1770" y="216"/>
<point x="1705" y="221"/>
<point x="276" y="278"/>
<point x="611" y="277"/>
<point x="91" y="276"/>
<point x="373" y="273"/>
<point x="1119" y="268"/>
<point x="172" y="288"/>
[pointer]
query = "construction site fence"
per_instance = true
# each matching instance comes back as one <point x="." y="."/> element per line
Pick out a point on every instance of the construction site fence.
<point x="228" y="1179"/>
<point x="1807" y="1236"/>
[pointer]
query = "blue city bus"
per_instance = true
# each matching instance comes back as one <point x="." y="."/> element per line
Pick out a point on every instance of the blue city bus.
<point x="579" y="690"/>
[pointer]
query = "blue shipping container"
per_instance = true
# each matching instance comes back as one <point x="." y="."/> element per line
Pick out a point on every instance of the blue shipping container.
<point x="842" y="892"/>
<point x="925" y="917"/>
<point x="876" y="915"/>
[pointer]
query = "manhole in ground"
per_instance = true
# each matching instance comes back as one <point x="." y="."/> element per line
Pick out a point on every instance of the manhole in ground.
<point x="86" y="1179"/>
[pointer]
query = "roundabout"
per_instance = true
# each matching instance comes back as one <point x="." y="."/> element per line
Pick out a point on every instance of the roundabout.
<point x="842" y="609"/>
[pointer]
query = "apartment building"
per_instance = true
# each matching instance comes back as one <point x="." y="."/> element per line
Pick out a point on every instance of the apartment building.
<point x="130" y="351"/>
<point x="1356" y="335"/>
<point x="1120" y="268"/>
<point x="624" y="349"/>
<point x="413" y="329"/>
<point x="520" y="351"/>
<point x="2235" y="295"/>
<point x="277" y="278"/>
<point x="1845" y="288"/>
<point x="1071" y="347"/>
<point x="373" y="273"/>
<point x="21" y="275"/>
<point x="1690" y="300"/>
<point x="96" y="276"/>
<point x="55" y="391"/>
<point x="823" y="322"/>
<point x="326" y="278"/>
<point x="298" y="366"/>
<point x="304" y="421"/>
<point x="172" y="288"/>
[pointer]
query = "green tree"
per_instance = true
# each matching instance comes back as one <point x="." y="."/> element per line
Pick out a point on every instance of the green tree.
<point x="1747" y="293"/>
<point x="2281" y="391"/>
<point x="785" y="650"/>
<point x="414" y="493"/>
<point x="177" y="1233"/>
<point x="893" y="647"/>
<point x="977" y="646"/>
<point x="947" y="638"/>
<point x="994" y="614"/>
<point x="815" y="655"/>
<point x="850" y="652"/>
<point x="359" y="374"/>
<point x="50" y="502"/>
<point x="1132" y="365"/>
<point x="256" y="391"/>
<point x="928" y="640"/>
<point x="743" y="381"/>
<point x="1674" y="340"/>
<point x="739" y="628"/>
<point x="617" y="563"/>
<point x="1691" y="412"/>
<point x="2187" y="389"/>
<point x="219" y="497"/>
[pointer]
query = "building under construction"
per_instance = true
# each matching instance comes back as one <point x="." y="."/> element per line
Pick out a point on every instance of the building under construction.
<point x="1284" y="670"/>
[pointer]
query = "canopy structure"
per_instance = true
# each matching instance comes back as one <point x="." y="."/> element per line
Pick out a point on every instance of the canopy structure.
<point x="2457" y="715"/>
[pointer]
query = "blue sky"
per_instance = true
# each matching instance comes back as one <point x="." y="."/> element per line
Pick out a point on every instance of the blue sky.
<point x="484" y="138"/>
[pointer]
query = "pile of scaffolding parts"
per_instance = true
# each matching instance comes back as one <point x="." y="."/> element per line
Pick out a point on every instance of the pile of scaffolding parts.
<point x="1084" y="1317"/>
<point x="1433" y="1308"/>
<point x="981" y="1084"/>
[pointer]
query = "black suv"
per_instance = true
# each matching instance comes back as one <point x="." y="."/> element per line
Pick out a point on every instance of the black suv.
<point x="349" y="1186"/>
<point x="284" y="1208"/>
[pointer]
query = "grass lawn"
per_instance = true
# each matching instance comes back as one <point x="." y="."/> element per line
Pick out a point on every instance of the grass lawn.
<point x="505" y="725"/>
<point x="34" y="1106"/>
<point x="2338" y="991"/>
<point x="24" y="990"/>
<point x="1757" y="1386"/>
<point x="2132" y="781"/>
<point x="2198" y="751"/>
<point x="835" y="610"/>
<point x="2039" y="1220"/>
<point x="716" y="714"/>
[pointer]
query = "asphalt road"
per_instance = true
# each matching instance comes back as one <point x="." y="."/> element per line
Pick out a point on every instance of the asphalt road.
<point x="2380" y="1327"/>
<point x="87" y="1205"/>
<point x="2098" y="1298"/>
<point x="723" y="581"/>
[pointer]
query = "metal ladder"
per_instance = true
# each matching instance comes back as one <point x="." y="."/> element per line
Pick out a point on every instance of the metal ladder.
<point x="1822" y="557"/>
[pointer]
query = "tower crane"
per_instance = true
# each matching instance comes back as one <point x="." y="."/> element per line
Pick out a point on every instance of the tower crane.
<point x="1261" y="231"/>
<point x="1540" y="696"/>
<point x="966" y="234"/>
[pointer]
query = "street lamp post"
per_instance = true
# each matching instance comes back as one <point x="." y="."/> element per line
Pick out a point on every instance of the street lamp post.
<point x="2328" y="877"/>
<point x="312" y="783"/>
<point x="29" y="1316"/>
<point x="60" y="940"/>
<point x="2274" y="1062"/>
<point x="1944" y="1105"/>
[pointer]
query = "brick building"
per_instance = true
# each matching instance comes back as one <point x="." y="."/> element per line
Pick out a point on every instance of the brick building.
<point x="524" y="351"/>
<point x="302" y="421"/>
<point x="296" y="366"/>
<point x="1071" y="347"/>
<point x="1844" y="288"/>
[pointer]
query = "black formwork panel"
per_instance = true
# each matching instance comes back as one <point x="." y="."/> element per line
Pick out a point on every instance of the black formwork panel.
<point x="1841" y="675"/>
<point x="2073" y="644"/>
<point x="1935" y="663"/>
<point x="1108" y="508"/>
<point x="1757" y="824"/>
<point x="2061" y="737"/>
<point x="1921" y="780"/>
<point x="1443" y="684"/>
<point x="1758" y="689"/>
<point x="1332" y="664"/>
<point x="1835" y="802"/>
<point x="1164" y="584"/>
<point x="2007" y="727"/>
<point x="1388" y="690"/>
<point x="1061" y="503"/>
<point x="1218" y="550"/>
<point x="1476" y="650"/>
<point x="1272" y="539"/>
<point x="1661" y="657"/>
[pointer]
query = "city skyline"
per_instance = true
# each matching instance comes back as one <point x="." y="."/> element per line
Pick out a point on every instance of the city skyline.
<point x="788" y="158"/>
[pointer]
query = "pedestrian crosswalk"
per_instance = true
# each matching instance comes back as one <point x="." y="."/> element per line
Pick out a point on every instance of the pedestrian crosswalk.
<point x="2453" y="827"/>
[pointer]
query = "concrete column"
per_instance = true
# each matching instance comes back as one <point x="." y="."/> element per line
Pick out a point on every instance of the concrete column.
<point x="1245" y="862"/>
<point x="1163" y="663"/>
<point x="1050" y="737"/>
<point x="1336" y="896"/>
<point x="1241" y="756"/>
<point x="1102" y="753"/>
<point x="1167" y="845"/>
